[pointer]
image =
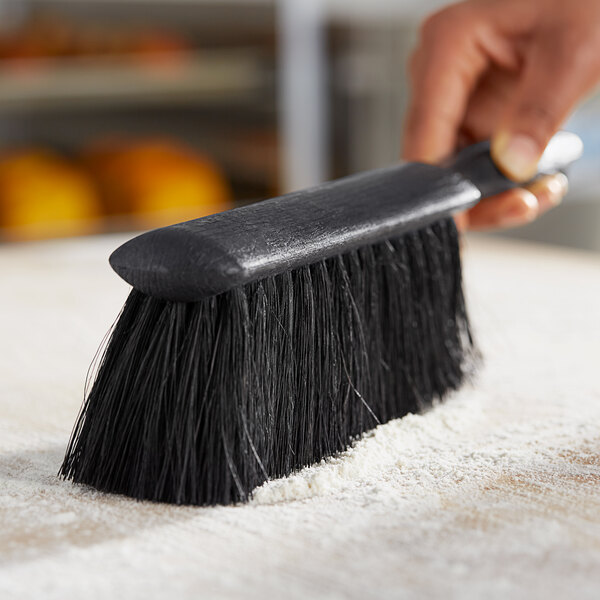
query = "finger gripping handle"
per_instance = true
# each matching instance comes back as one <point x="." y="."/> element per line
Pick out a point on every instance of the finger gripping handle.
<point x="476" y="164"/>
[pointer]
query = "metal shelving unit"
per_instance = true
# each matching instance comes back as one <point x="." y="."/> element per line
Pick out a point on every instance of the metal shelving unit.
<point x="67" y="83"/>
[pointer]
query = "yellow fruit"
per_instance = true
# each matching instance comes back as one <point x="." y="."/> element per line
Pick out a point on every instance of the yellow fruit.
<point x="44" y="195"/>
<point x="158" y="182"/>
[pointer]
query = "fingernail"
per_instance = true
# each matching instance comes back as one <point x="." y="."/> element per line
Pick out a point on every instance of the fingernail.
<point x="550" y="188"/>
<point x="516" y="155"/>
<point x="558" y="187"/>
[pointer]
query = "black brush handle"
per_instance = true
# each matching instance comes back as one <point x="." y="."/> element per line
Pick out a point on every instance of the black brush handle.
<point x="203" y="257"/>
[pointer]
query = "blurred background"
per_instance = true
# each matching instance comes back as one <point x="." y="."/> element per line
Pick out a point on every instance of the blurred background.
<point x="117" y="115"/>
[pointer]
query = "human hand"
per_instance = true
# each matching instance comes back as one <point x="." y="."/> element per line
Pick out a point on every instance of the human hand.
<point x="506" y="70"/>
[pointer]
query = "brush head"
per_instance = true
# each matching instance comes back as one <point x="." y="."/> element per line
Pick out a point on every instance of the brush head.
<point x="199" y="403"/>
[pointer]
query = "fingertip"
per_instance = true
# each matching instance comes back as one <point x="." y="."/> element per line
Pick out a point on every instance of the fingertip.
<point x="549" y="190"/>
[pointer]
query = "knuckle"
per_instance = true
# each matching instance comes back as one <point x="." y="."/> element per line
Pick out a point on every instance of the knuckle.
<point x="575" y="48"/>
<point x="437" y="24"/>
<point x="430" y="25"/>
<point x="585" y="52"/>
<point x="446" y="25"/>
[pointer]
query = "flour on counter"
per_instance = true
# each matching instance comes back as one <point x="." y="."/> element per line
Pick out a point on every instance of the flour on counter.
<point x="460" y="445"/>
<point x="494" y="494"/>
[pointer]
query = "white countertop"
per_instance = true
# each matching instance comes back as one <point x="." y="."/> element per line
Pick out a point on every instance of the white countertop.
<point x="495" y="494"/>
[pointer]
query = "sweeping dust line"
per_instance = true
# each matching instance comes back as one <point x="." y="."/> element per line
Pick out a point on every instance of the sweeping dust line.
<point x="390" y="447"/>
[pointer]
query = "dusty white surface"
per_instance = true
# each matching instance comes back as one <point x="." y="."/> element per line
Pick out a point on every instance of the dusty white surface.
<point x="495" y="494"/>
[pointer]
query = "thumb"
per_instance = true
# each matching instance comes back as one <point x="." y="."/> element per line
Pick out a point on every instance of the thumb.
<point x="555" y="77"/>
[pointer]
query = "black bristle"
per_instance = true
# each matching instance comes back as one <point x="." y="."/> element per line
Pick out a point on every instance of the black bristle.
<point x="198" y="403"/>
